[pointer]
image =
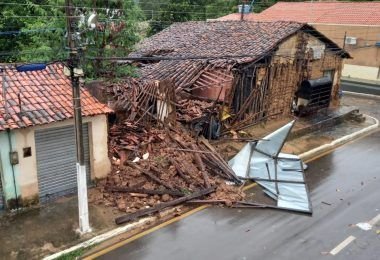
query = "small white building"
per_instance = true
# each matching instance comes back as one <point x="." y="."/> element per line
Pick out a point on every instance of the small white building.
<point x="37" y="138"/>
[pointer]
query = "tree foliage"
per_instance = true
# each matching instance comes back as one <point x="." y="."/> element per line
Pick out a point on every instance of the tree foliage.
<point x="30" y="31"/>
<point x="34" y="31"/>
<point x="170" y="11"/>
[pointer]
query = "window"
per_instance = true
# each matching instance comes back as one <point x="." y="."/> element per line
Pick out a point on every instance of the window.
<point x="27" y="151"/>
<point x="329" y="74"/>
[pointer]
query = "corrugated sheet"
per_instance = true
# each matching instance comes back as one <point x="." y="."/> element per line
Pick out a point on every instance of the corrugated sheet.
<point x="56" y="161"/>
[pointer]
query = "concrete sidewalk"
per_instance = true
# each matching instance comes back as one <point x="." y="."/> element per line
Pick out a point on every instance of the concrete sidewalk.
<point x="51" y="228"/>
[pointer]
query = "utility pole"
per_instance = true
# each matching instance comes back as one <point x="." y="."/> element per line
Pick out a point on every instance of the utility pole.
<point x="344" y="41"/>
<point x="242" y="10"/>
<point x="73" y="64"/>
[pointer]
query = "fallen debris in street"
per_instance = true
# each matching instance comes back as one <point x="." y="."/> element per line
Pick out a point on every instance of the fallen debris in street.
<point x="281" y="175"/>
<point x="161" y="206"/>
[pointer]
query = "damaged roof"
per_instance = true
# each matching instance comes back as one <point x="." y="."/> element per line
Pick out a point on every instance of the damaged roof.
<point x="230" y="40"/>
<point x="220" y="44"/>
<point x="40" y="97"/>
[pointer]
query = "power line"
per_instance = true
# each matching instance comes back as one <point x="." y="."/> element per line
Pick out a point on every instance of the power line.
<point x="105" y="8"/>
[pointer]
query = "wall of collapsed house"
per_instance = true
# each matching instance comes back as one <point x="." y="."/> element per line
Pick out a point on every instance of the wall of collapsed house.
<point x="240" y="94"/>
<point x="300" y="57"/>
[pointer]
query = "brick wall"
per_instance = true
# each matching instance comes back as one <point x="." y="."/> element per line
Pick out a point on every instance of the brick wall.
<point x="289" y="67"/>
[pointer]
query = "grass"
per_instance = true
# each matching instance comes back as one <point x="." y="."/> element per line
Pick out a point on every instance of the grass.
<point x="76" y="254"/>
<point x="72" y="255"/>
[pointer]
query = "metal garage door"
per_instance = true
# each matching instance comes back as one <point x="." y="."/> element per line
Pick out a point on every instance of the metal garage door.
<point x="1" y="194"/>
<point x="56" y="161"/>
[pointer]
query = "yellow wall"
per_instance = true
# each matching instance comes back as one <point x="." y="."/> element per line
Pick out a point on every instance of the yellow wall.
<point x="364" y="53"/>
<point x="361" y="72"/>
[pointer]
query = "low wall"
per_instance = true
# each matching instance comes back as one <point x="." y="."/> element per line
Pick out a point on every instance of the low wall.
<point x="361" y="72"/>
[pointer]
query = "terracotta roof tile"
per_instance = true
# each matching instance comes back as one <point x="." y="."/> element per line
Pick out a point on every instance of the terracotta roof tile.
<point x="225" y="42"/>
<point x="359" y="13"/>
<point x="45" y="97"/>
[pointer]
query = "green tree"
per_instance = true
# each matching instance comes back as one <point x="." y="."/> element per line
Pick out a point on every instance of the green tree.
<point x="34" y="30"/>
<point x="172" y="11"/>
<point x="115" y="36"/>
<point x="30" y="31"/>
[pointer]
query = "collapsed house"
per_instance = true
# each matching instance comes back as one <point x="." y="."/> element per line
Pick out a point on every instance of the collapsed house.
<point x="212" y="77"/>
<point x="227" y="75"/>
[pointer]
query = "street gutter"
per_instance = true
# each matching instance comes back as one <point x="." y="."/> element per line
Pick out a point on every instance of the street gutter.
<point x="340" y="141"/>
<point x="362" y="95"/>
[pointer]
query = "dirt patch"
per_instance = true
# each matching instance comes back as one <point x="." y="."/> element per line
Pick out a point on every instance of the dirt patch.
<point x="303" y="144"/>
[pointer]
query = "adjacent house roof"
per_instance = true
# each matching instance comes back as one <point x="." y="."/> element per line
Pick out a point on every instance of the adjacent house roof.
<point x="237" y="16"/>
<point x="40" y="97"/>
<point x="354" y="13"/>
<point x="192" y="47"/>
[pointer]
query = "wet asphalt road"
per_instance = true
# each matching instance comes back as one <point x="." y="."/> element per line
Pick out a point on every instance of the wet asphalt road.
<point x="373" y="89"/>
<point x="347" y="179"/>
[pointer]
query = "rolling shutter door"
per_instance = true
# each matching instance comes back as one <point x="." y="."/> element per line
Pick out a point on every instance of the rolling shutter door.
<point x="1" y="195"/>
<point x="56" y="161"/>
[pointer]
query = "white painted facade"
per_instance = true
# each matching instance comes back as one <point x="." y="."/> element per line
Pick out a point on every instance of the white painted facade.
<point x="361" y="72"/>
<point x="25" y="171"/>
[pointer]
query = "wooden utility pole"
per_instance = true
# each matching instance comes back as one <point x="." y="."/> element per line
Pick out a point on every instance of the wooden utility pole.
<point x="344" y="40"/>
<point x="75" y="73"/>
<point x="242" y="10"/>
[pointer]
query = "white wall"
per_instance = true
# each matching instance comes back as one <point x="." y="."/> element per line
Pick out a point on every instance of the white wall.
<point x="360" y="72"/>
<point x="27" y="168"/>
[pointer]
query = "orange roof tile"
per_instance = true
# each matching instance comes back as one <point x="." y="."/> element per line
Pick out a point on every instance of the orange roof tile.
<point x="237" y="16"/>
<point x="358" y="13"/>
<point x="40" y="97"/>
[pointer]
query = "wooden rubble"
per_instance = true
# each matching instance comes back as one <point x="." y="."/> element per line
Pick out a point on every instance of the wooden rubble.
<point x="179" y="168"/>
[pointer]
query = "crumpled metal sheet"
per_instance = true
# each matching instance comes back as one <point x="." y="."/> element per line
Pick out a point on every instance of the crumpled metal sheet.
<point x="281" y="175"/>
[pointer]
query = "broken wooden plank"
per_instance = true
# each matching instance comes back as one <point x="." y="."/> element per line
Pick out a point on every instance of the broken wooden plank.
<point x="201" y="166"/>
<point x="205" y="201"/>
<point x="188" y="150"/>
<point x="150" y="175"/>
<point x="143" y="191"/>
<point x="161" y="206"/>
<point x="180" y="172"/>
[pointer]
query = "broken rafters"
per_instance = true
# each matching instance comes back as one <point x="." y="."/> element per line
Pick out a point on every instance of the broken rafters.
<point x="161" y="206"/>
<point x="149" y="174"/>
<point x="144" y="191"/>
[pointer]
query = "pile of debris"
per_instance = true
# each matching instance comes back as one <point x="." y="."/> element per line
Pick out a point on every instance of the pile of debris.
<point x="160" y="167"/>
<point x="157" y="163"/>
<point x="189" y="110"/>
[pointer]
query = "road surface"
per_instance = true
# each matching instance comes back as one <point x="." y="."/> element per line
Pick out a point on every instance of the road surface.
<point x="345" y="190"/>
<point x="360" y="87"/>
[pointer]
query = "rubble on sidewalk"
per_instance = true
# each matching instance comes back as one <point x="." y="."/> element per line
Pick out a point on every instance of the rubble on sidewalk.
<point x="177" y="166"/>
<point x="159" y="155"/>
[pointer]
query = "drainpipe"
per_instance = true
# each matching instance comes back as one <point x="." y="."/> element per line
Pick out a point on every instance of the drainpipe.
<point x="13" y="167"/>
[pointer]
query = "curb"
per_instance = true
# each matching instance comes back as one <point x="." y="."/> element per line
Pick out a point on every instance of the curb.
<point x="304" y="156"/>
<point x="105" y="236"/>
<point x="363" y="95"/>
<point x="340" y="141"/>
